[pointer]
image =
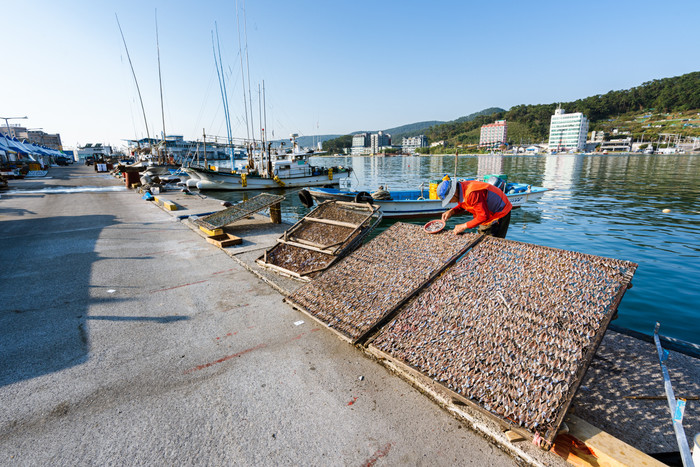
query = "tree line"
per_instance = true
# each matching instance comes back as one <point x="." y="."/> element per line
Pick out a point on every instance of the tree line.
<point x="530" y="123"/>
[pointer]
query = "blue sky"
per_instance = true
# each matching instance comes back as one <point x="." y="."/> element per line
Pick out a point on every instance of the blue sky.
<point x="328" y="66"/>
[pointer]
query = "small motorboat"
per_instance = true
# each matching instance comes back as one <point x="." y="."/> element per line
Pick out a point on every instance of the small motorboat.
<point x="412" y="203"/>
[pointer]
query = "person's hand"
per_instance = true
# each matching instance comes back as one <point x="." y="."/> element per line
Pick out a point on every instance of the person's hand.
<point x="460" y="228"/>
<point x="446" y="215"/>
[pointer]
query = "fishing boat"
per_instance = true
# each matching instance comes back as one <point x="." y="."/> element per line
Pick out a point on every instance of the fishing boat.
<point x="286" y="170"/>
<point x="416" y="202"/>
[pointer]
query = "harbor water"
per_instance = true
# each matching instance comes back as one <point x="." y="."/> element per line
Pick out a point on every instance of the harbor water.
<point x="609" y="205"/>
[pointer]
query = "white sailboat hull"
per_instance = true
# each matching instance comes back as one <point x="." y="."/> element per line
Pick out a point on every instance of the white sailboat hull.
<point x="227" y="181"/>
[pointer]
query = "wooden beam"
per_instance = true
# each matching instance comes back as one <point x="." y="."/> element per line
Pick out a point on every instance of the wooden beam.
<point x="306" y="247"/>
<point x="332" y="222"/>
<point x="586" y="445"/>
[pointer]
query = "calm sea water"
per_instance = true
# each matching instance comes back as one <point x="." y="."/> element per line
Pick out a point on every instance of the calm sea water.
<point x="603" y="205"/>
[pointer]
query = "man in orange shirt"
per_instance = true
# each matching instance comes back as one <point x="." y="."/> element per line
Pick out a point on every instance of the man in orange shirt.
<point x="488" y="204"/>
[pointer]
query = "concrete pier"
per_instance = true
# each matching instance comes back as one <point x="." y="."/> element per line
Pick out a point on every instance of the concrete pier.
<point x="125" y="338"/>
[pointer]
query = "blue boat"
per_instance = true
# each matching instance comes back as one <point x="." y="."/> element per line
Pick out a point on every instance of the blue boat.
<point x="413" y="203"/>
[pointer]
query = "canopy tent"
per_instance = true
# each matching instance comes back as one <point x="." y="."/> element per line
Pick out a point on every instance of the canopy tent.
<point x="18" y="147"/>
<point x="4" y="147"/>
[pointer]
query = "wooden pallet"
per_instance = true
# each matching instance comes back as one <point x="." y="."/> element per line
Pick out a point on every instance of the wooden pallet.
<point x="224" y="240"/>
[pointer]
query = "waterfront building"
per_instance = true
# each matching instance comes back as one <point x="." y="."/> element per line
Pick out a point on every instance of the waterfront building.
<point x="360" y="144"/>
<point x="442" y="143"/>
<point x="37" y="137"/>
<point x="494" y="135"/>
<point x="379" y="141"/>
<point x="95" y="150"/>
<point x="366" y="143"/>
<point x="534" y="149"/>
<point x="617" y="145"/>
<point x="567" y="131"/>
<point x="409" y="145"/>
<point x="597" y="136"/>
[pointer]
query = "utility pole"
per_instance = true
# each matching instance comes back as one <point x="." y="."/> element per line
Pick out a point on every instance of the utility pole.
<point x="7" y="123"/>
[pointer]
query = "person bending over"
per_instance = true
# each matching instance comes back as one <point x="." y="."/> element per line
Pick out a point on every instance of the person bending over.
<point x="487" y="204"/>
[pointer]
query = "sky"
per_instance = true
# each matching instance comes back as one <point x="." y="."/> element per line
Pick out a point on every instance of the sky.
<point x="328" y="67"/>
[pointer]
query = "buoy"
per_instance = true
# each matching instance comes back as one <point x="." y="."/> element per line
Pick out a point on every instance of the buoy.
<point x="667" y="210"/>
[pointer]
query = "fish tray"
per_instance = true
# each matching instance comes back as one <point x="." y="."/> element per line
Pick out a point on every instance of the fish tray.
<point x="224" y="240"/>
<point x="227" y="216"/>
<point x="510" y="328"/>
<point x="355" y="296"/>
<point x="329" y="232"/>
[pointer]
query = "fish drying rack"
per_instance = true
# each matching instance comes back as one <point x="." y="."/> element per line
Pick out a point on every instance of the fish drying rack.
<point x="326" y="234"/>
<point x="506" y="328"/>
<point x="214" y="222"/>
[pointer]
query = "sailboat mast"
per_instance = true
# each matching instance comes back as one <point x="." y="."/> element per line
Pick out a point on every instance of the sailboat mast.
<point x="240" y="54"/>
<point x="247" y="65"/>
<point x="160" y="81"/>
<point x="264" y="109"/>
<point x="135" y="80"/>
<point x="222" y="87"/>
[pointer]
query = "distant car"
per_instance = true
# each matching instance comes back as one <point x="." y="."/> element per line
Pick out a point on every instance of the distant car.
<point x="89" y="160"/>
<point x="60" y="160"/>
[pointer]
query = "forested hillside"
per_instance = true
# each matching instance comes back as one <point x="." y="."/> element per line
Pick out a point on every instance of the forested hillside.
<point x="530" y="123"/>
<point x="642" y="110"/>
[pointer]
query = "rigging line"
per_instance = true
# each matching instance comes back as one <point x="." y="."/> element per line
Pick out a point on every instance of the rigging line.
<point x="247" y="64"/>
<point x="218" y="74"/>
<point x="134" y="74"/>
<point x="223" y="82"/>
<point x="131" y="106"/>
<point x="240" y="54"/>
<point x="200" y="115"/>
<point x="160" y="81"/>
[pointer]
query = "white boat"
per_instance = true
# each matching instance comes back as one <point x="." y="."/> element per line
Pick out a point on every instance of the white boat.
<point x="415" y="203"/>
<point x="287" y="170"/>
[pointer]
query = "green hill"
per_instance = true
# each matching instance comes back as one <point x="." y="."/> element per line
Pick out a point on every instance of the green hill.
<point x="399" y="132"/>
<point x="668" y="105"/>
<point x="649" y="105"/>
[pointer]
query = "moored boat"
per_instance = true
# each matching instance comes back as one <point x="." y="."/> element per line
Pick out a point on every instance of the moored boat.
<point x="287" y="170"/>
<point x="414" y="203"/>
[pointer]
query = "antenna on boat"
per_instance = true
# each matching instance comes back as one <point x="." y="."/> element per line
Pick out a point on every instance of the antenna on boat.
<point x="160" y="80"/>
<point x="135" y="80"/>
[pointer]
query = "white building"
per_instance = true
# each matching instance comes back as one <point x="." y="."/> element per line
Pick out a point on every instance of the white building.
<point x="617" y="145"/>
<point x="360" y="144"/>
<point x="567" y="131"/>
<point x="494" y="135"/>
<point x="97" y="151"/>
<point x="379" y="141"/>
<point x="409" y="145"/>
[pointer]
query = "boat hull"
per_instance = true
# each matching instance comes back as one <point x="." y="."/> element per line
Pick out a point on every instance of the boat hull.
<point x="412" y="207"/>
<point x="210" y="180"/>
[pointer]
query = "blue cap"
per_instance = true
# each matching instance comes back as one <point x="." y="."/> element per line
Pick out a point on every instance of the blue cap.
<point x="445" y="191"/>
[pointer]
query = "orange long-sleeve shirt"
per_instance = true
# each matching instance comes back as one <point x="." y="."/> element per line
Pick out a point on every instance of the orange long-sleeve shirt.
<point x="484" y="201"/>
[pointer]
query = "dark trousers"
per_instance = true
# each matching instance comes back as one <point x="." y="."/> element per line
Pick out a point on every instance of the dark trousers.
<point x="496" y="229"/>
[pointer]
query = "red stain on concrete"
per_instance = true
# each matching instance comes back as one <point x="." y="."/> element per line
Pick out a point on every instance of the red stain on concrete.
<point x="221" y="272"/>
<point x="178" y="286"/>
<point x="243" y="352"/>
<point x="378" y="454"/>
<point x="352" y="401"/>
<point x="226" y="358"/>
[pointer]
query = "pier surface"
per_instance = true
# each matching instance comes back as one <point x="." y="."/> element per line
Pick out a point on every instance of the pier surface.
<point x="126" y="338"/>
